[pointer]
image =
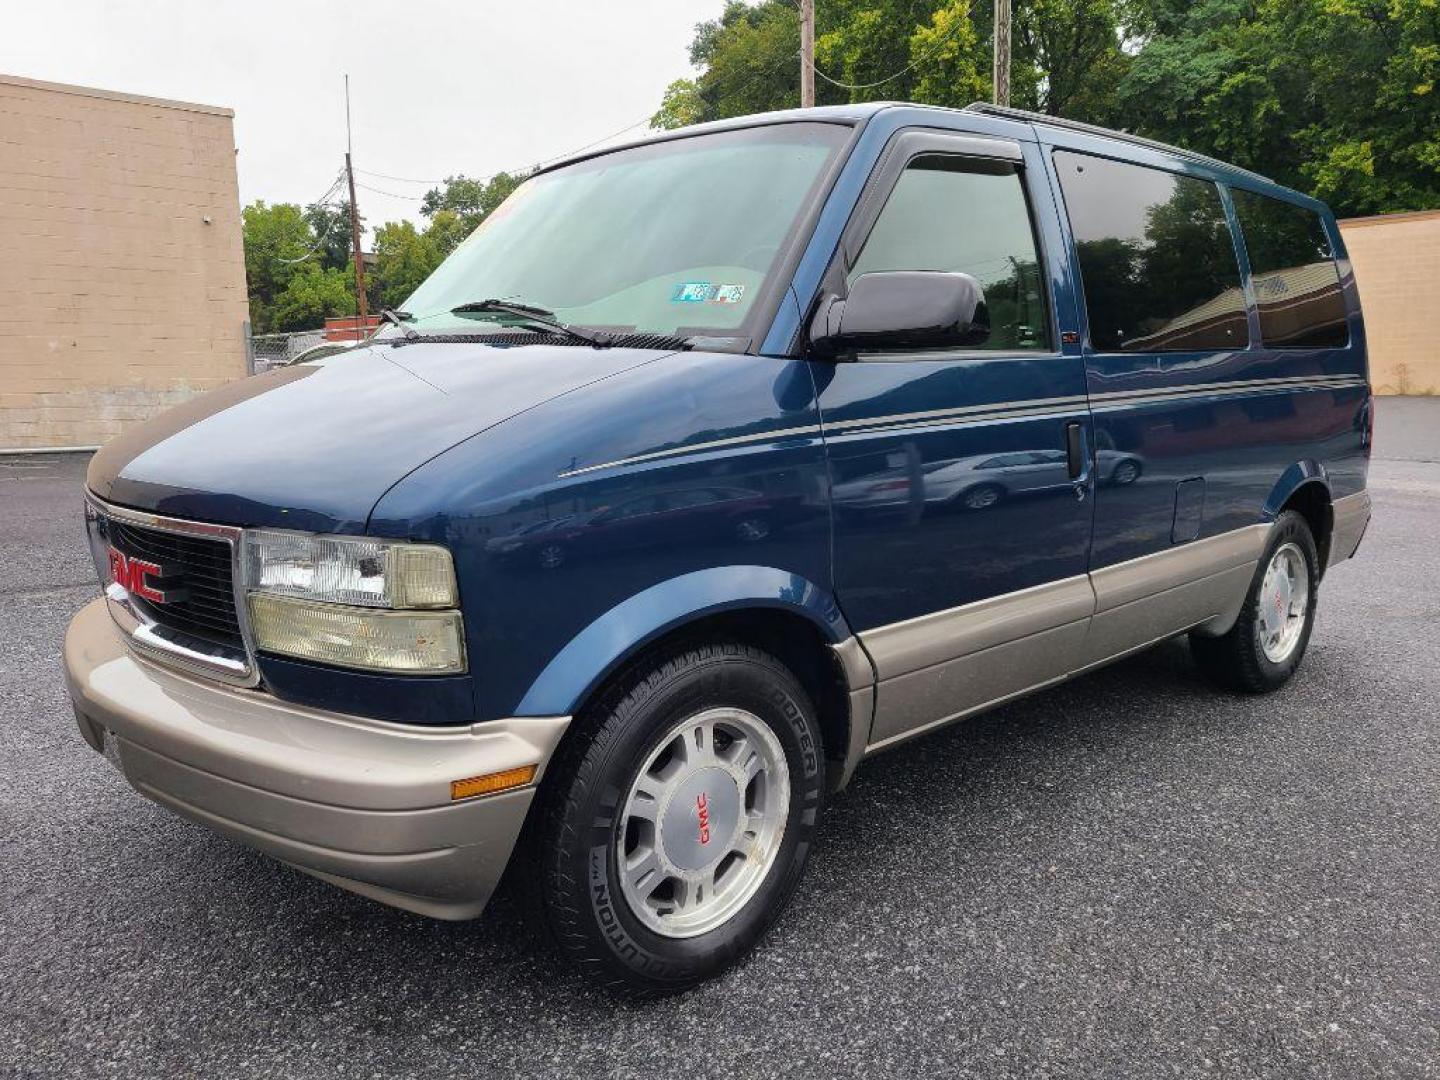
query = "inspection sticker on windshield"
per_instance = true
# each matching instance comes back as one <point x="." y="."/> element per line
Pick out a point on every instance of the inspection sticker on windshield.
<point x="702" y="292"/>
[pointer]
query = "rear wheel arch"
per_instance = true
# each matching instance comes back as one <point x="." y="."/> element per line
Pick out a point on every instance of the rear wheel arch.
<point x="1305" y="488"/>
<point x="1312" y="501"/>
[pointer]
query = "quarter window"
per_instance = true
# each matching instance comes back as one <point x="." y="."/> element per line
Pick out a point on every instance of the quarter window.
<point x="966" y="215"/>
<point x="1293" y="273"/>
<point x="1157" y="261"/>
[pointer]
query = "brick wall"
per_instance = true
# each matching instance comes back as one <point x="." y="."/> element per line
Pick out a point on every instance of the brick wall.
<point x="117" y="299"/>
<point x="1397" y="267"/>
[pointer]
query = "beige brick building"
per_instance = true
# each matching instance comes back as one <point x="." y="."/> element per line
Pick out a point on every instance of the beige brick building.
<point x="122" y="282"/>
<point x="1397" y="266"/>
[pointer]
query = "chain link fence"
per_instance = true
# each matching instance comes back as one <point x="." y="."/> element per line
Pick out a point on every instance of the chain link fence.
<point x="275" y="350"/>
<point x="266" y="351"/>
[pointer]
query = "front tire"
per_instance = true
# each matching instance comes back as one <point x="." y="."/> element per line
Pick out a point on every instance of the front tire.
<point x="677" y="819"/>
<point x="982" y="497"/>
<point x="1267" y="643"/>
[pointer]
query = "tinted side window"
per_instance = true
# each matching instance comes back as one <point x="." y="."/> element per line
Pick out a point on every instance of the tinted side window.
<point x="1292" y="269"/>
<point x="1157" y="261"/>
<point x="966" y="215"/>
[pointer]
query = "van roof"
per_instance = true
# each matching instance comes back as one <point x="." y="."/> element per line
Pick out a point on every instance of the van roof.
<point x="1045" y="120"/>
<point x="855" y="113"/>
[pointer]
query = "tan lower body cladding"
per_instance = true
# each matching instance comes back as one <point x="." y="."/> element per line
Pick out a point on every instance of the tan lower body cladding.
<point x="940" y="667"/>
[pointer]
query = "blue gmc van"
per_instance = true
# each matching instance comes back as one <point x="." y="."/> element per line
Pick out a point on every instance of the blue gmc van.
<point x="707" y="467"/>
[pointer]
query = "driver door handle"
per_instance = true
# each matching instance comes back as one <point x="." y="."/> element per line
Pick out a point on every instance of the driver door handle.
<point x="1077" y="457"/>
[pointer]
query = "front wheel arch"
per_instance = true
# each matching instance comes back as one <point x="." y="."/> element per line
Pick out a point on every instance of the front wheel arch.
<point x="682" y="605"/>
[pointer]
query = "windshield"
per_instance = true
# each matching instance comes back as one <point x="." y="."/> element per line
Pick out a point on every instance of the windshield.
<point x="676" y="238"/>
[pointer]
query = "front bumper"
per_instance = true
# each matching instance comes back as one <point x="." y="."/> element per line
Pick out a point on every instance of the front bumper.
<point x="361" y="803"/>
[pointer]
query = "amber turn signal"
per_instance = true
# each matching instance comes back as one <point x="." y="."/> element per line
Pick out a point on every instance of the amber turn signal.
<point x="490" y="783"/>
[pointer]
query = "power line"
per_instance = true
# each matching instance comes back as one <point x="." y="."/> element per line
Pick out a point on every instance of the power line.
<point x="323" y="201"/>
<point x="589" y="145"/>
<point x="401" y="179"/>
<point x="319" y="242"/>
<point x="526" y="169"/>
<point x="518" y="171"/>
<point x="390" y="194"/>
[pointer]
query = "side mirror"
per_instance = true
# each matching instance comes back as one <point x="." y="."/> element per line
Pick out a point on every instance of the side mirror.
<point x="902" y="309"/>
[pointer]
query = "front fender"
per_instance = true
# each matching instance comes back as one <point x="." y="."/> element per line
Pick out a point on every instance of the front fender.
<point x="629" y="626"/>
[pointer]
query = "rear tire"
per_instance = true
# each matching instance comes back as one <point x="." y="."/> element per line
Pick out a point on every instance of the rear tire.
<point x="1267" y="643"/>
<point x="664" y="774"/>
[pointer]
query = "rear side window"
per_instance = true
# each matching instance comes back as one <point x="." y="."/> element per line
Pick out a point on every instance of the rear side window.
<point x="1293" y="272"/>
<point x="1157" y="261"/>
<point x="966" y="215"/>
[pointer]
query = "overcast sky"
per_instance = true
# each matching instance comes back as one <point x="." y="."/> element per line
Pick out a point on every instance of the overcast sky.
<point x="437" y="86"/>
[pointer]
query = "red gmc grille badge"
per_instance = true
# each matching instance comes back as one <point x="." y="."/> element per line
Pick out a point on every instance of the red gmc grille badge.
<point x="137" y="577"/>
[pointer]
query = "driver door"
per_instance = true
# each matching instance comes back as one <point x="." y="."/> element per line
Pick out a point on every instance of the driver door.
<point x="965" y="582"/>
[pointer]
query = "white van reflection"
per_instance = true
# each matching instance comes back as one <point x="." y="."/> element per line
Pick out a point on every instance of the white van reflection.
<point x="980" y="481"/>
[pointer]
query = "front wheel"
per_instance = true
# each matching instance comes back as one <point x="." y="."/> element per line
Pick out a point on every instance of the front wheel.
<point x="1265" y="646"/>
<point x="678" y="819"/>
<point x="982" y="497"/>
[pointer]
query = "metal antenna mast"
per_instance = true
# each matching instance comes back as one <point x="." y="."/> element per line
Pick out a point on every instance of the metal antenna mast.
<point x="360" y="304"/>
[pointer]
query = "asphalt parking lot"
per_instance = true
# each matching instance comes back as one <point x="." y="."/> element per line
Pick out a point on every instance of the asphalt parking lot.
<point x="1130" y="876"/>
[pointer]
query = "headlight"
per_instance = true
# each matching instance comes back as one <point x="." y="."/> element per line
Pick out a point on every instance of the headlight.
<point x="349" y="570"/>
<point x="357" y="602"/>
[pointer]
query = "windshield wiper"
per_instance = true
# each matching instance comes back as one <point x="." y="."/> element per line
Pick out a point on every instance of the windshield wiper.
<point x="535" y="318"/>
<point x="400" y="318"/>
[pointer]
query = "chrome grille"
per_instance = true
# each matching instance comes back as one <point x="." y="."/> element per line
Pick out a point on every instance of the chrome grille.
<point x="205" y="581"/>
<point x="201" y="627"/>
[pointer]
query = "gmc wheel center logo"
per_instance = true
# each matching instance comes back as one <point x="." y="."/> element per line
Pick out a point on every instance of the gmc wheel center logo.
<point x="702" y="810"/>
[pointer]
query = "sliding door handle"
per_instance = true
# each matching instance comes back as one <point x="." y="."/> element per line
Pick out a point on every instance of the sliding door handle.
<point x="1075" y="449"/>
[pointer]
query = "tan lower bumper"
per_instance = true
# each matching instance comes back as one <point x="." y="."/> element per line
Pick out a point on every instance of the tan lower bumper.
<point x="1352" y="517"/>
<point x="361" y="803"/>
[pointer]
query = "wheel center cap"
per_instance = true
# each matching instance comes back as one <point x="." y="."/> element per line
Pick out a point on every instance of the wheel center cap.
<point x="1280" y="602"/>
<point x="697" y="825"/>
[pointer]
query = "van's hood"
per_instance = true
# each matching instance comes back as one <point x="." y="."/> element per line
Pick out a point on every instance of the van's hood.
<point x="314" y="446"/>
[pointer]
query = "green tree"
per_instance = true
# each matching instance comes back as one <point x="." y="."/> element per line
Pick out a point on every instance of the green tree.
<point x="312" y="295"/>
<point x="1335" y="97"/>
<point x="292" y="280"/>
<point x="404" y="257"/>
<point x="330" y="222"/>
<point x="277" y="239"/>
<point x="1067" y="56"/>
<point x="947" y="58"/>
<point x="1070" y="58"/>
<point x="469" y="200"/>
<point x="749" y="56"/>
<point x="680" y="107"/>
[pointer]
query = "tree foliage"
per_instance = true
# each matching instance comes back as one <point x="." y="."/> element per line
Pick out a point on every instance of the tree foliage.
<point x="298" y="263"/>
<point x="470" y="201"/>
<point x="294" y="278"/>
<point x="1335" y="97"/>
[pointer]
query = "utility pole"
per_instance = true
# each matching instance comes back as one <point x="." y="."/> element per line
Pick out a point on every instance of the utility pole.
<point x="1002" y="52"/>
<point x="361" y="305"/>
<point x="807" y="54"/>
